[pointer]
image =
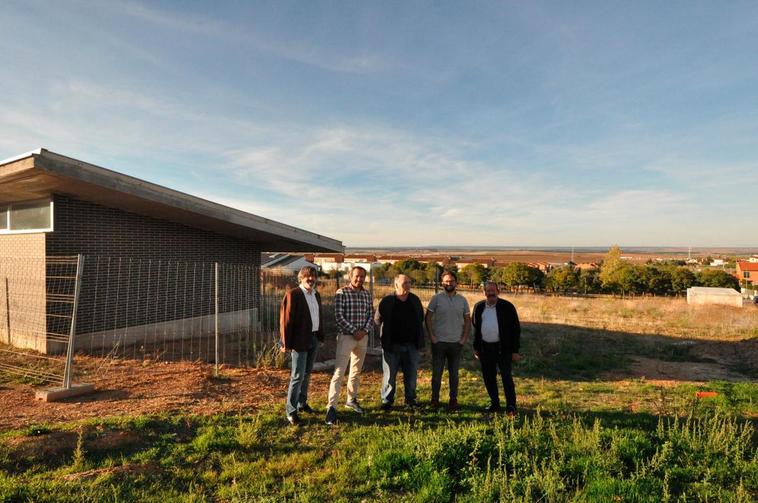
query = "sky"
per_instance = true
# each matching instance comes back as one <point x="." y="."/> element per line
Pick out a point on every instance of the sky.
<point x="405" y="123"/>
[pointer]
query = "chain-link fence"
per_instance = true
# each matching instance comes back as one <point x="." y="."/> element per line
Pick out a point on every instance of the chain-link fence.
<point x="147" y="309"/>
<point x="38" y="305"/>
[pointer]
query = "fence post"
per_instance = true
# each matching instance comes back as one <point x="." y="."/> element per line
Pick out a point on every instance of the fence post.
<point x="8" y="310"/>
<point x="72" y="332"/>
<point x="216" y="315"/>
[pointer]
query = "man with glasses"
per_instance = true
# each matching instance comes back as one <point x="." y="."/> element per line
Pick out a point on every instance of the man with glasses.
<point x="497" y="335"/>
<point x="300" y="330"/>
<point x="448" y="322"/>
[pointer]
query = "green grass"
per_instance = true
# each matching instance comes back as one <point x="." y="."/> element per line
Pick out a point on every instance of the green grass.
<point x="574" y="441"/>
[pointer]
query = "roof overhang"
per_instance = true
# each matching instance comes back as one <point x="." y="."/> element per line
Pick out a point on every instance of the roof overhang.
<point x="41" y="173"/>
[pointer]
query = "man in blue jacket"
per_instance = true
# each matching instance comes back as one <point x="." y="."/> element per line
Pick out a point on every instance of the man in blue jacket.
<point x="497" y="337"/>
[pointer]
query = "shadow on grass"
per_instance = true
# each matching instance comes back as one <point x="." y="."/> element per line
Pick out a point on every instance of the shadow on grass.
<point x="568" y="352"/>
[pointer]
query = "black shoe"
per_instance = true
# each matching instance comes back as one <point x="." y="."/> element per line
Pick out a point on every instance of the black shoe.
<point x="493" y="409"/>
<point x="293" y="419"/>
<point x="331" y="416"/>
<point x="387" y="406"/>
<point x="412" y="403"/>
<point x="305" y="408"/>
<point x="510" y="412"/>
<point x="353" y="404"/>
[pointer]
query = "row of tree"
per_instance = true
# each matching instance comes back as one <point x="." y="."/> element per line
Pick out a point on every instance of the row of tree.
<point x="613" y="276"/>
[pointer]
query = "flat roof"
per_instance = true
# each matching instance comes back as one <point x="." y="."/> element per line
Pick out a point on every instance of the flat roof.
<point x="712" y="290"/>
<point x="41" y="172"/>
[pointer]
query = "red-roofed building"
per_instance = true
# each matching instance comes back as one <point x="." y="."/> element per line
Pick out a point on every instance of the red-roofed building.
<point x="747" y="272"/>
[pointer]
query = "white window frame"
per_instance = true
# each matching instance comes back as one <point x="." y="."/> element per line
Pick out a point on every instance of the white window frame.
<point x="6" y="228"/>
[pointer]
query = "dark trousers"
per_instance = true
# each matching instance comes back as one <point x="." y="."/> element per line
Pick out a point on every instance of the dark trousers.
<point x="300" y="377"/>
<point x="442" y="352"/>
<point x="401" y="357"/>
<point x="493" y="358"/>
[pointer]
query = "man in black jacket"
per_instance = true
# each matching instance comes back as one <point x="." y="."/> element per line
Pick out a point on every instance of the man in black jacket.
<point x="400" y="318"/>
<point x="497" y="335"/>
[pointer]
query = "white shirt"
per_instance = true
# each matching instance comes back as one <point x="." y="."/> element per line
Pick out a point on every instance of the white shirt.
<point x="490" y="332"/>
<point x="310" y="297"/>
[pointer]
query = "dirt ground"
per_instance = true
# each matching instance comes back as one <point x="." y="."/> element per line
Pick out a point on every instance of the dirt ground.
<point x="132" y="387"/>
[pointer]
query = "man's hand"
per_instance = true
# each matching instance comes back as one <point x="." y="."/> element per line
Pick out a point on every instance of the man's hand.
<point x="463" y="340"/>
<point x="433" y="339"/>
<point x="282" y="349"/>
<point x="515" y="357"/>
<point x="359" y="334"/>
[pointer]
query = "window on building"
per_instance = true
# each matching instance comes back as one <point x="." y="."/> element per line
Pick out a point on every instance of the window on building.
<point x="746" y="274"/>
<point x="27" y="216"/>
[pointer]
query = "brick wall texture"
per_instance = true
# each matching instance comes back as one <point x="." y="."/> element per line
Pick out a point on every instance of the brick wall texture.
<point x="140" y="270"/>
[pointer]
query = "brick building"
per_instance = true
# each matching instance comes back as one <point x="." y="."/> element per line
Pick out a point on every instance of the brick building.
<point x="52" y="205"/>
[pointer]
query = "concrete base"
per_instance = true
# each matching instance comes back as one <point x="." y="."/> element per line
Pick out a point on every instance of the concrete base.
<point x="55" y="394"/>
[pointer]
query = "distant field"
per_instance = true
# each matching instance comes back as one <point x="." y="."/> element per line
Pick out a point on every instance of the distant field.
<point x="581" y="254"/>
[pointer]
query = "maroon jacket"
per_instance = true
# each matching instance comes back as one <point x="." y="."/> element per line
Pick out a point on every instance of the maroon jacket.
<point x="295" y="325"/>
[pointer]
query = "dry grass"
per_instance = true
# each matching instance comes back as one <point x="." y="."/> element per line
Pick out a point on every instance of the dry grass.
<point x="665" y="316"/>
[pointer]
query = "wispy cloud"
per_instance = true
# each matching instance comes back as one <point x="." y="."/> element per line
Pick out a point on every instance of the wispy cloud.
<point x="291" y="48"/>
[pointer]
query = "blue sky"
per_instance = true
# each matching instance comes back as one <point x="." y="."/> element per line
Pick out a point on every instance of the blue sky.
<point x="408" y="123"/>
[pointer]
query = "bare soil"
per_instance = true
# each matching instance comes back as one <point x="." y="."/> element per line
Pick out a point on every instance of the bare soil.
<point x="133" y="387"/>
<point x="651" y="368"/>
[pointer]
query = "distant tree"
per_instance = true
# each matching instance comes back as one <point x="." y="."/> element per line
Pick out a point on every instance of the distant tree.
<point x="682" y="278"/>
<point x="609" y="269"/>
<point x="418" y="276"/>
<point x="518" y="274"/>
<point x="630" y="279"/>
<point x="473" y="274"/>
<point x="657" y="280"/>
<point x="589" y="281"/>
<point x="717" y="278"/>
<point x="407" y="265"/>
<point x="562" y="279"/>
<point x="432" y="272"/>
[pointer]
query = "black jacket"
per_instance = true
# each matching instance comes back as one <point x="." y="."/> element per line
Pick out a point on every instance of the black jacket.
<point x="507" y="324"/>
<point x="383" y="318"/>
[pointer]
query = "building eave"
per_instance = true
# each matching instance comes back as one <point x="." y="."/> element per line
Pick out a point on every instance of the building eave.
<point x="42" y="172"/>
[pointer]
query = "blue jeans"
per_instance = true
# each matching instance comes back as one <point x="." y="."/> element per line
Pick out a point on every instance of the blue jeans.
<point x="405" y="357"/>
<point x="302" y="364"/>
<point x="442" y="352"/>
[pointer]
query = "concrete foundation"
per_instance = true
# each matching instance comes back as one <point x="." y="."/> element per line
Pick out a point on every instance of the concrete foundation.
<point x="701" y="295"/>
<point x="57" y="394"/>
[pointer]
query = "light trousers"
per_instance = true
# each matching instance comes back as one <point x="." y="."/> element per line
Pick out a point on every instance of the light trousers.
<point x="350" y="354"/>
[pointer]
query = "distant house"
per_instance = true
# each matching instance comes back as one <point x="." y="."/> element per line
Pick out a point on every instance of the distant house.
<point x="52" y="205"/>
<point x="717" y="262"/>
<point x="464" y="261"/>
<point x="746" y="272"/>
<point x="285" y="262"/>
<point x="329" y="262"/>
<point x="701" y="295"/>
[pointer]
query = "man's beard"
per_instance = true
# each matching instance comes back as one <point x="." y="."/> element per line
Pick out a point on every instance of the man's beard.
<point x="449" y="288"/>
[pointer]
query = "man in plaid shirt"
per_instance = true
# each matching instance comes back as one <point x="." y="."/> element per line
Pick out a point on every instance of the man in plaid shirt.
<point x="353" y="308"/>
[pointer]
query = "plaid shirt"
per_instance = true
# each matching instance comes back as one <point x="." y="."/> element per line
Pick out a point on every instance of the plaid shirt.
<point x="354" y="310"/>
